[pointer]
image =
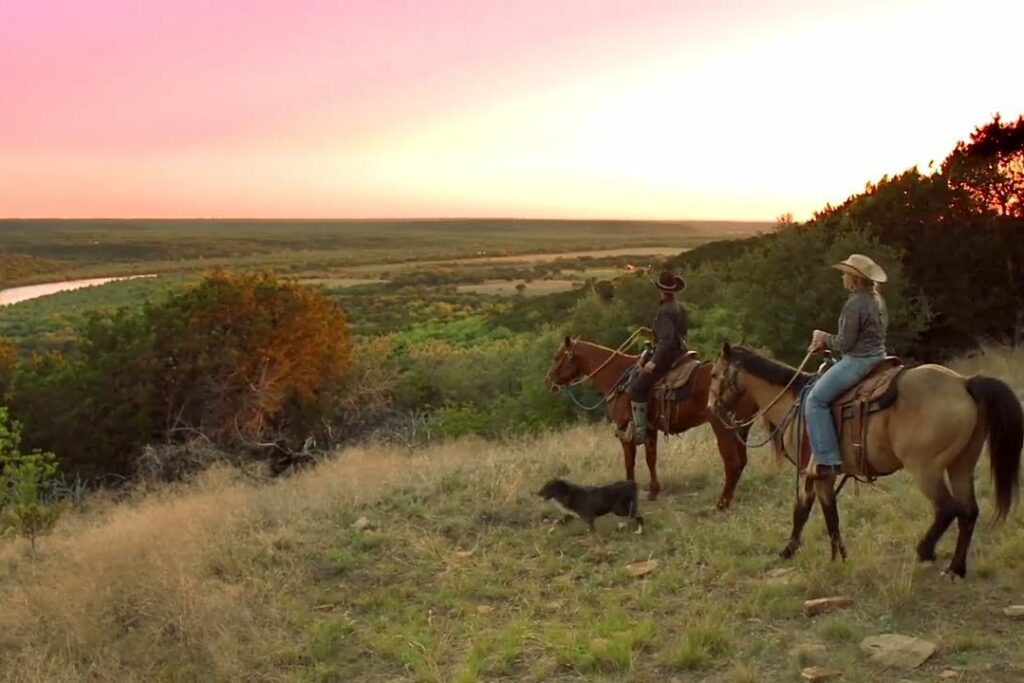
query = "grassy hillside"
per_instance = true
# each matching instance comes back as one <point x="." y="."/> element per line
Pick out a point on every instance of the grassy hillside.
<point x="460" y="578"/>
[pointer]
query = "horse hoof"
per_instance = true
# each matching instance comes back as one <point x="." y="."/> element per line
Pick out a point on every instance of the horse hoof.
<point x="788" y="552"/>
<point x="952" y="575"/>
<point x="653" y="495"/>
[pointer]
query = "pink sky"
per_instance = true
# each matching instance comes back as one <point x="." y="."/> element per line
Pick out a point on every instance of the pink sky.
<point x="560" y="108"/>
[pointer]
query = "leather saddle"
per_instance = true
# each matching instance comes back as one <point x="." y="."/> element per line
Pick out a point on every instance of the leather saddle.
<point x="675" y="385"/>
<point x="852" y="411"/>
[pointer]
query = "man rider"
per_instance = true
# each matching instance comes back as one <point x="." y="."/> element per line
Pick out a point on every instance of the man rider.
<point x="669" y="333"/>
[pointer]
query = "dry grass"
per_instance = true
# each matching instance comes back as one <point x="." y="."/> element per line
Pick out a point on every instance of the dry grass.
<point x="996" y="361"/>
<point x="229" y="580"/>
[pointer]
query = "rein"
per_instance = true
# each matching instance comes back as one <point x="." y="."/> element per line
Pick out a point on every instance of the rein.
<point x="727" y="421"/>
<point x="793" y="415"/>
<point x="583" y="378"/>
<point x="572" y="397"/>
<point x="735" y="426"/>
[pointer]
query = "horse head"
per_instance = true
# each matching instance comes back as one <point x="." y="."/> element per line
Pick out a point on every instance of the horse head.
<point x="564" y="366"/>
<point x="725" y="391"/>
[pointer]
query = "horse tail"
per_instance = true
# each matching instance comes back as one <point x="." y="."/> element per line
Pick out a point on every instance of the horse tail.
<point x="1005" y="419"/>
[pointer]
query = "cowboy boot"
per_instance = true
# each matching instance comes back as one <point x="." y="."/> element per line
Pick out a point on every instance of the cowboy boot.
<point x="817" y="471"/>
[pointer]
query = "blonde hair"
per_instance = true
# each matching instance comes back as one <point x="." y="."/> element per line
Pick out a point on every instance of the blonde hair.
<point x="862" y="283"/>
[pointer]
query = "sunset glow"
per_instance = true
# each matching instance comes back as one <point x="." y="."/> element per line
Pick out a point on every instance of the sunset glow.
<point x="561" y="108"/>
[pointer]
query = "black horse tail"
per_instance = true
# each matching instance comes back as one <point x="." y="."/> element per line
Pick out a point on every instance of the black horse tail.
<point x="1005" y="418"/>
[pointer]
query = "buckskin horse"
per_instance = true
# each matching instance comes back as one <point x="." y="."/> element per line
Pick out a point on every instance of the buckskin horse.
<point x="576" y="359"/>
<point x="933" y="423"/>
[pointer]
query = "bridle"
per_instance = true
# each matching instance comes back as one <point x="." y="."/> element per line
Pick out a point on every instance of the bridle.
<point x="581" y="378"/>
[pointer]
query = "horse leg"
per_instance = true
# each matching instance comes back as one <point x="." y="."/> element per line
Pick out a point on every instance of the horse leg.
<point x="651" y="451"/>
<point x="961" y="481"/>
<point x="945" y="511"/>
<point x="966" y="519"/>
<point x="801" y="511"/>
<point x="825" y="490"/>
<point x="734" y="459"/>
<point x="629" y="457"/>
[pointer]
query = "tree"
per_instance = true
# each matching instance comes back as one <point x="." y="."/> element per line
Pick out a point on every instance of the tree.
<point x="989" y="170"/>
<point x="8" y="358"/>
<point x="246" y="361"/>
<point x="780" y="291"/>
<point x="25" y="481"/>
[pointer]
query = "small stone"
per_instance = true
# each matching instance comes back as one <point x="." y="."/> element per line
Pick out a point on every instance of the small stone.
<point x="484" y="609"/>
<point x="464" y="554"/>
<point x="898" y="651"/>
<point x="1014" y="611"/>
<point x="819" y="673"/>
<point x="822" y="605"/>
<point x="361" y="524"/>
<point x="638" y="569"/>
<point x="950" y="673"/>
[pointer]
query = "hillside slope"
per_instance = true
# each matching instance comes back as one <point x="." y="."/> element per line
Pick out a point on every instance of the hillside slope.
<point x="459" y="577"/>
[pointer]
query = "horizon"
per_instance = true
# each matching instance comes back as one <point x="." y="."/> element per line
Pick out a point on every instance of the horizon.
<point x="383" y="219"/>
<point x="565" y="110"/>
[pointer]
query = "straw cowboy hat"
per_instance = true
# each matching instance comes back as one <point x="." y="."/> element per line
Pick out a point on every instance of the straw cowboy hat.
<point x="862" y="266"/>
<point x="669" y="282"/>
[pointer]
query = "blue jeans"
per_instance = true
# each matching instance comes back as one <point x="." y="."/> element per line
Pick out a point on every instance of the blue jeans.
<point x="821" y="430"/>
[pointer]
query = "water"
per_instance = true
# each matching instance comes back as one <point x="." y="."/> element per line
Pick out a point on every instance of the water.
<point x="16" y="295"/>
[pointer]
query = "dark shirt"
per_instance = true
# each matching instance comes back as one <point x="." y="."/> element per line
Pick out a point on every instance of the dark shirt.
<point x="670" y="328"/>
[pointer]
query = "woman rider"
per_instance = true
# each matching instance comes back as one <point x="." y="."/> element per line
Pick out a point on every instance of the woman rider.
<point x="861" y="341"/>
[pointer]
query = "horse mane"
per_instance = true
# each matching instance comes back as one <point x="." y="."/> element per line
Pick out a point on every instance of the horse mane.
<point x="770" y="370"/>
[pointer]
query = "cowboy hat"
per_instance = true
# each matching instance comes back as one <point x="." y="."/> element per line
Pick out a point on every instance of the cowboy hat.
<point x="862" y="266"/>
<point x="669" y="282"/>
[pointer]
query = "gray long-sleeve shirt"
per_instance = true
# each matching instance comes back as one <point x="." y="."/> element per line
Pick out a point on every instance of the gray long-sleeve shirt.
<point x="862" y="326"/>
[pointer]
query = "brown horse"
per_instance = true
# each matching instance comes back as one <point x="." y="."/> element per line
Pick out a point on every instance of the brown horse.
<point x="577" y="359"/>
<point x="935" y="429"/>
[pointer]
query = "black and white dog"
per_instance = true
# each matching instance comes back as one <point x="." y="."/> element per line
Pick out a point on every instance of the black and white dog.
<point x="590" y="502"/>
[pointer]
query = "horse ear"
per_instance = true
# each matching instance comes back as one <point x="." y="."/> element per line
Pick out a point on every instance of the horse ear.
<point x="568" y="341"/>
<point x="726" y="349"/>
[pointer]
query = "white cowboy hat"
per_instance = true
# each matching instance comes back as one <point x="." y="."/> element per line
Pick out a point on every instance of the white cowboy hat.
<point x="862" y="266"/>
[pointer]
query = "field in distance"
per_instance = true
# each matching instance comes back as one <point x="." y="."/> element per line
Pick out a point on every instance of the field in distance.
<point x="63" y="249"/>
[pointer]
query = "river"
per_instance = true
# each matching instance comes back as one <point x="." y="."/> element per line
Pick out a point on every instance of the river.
<point x="16" y="295"/>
